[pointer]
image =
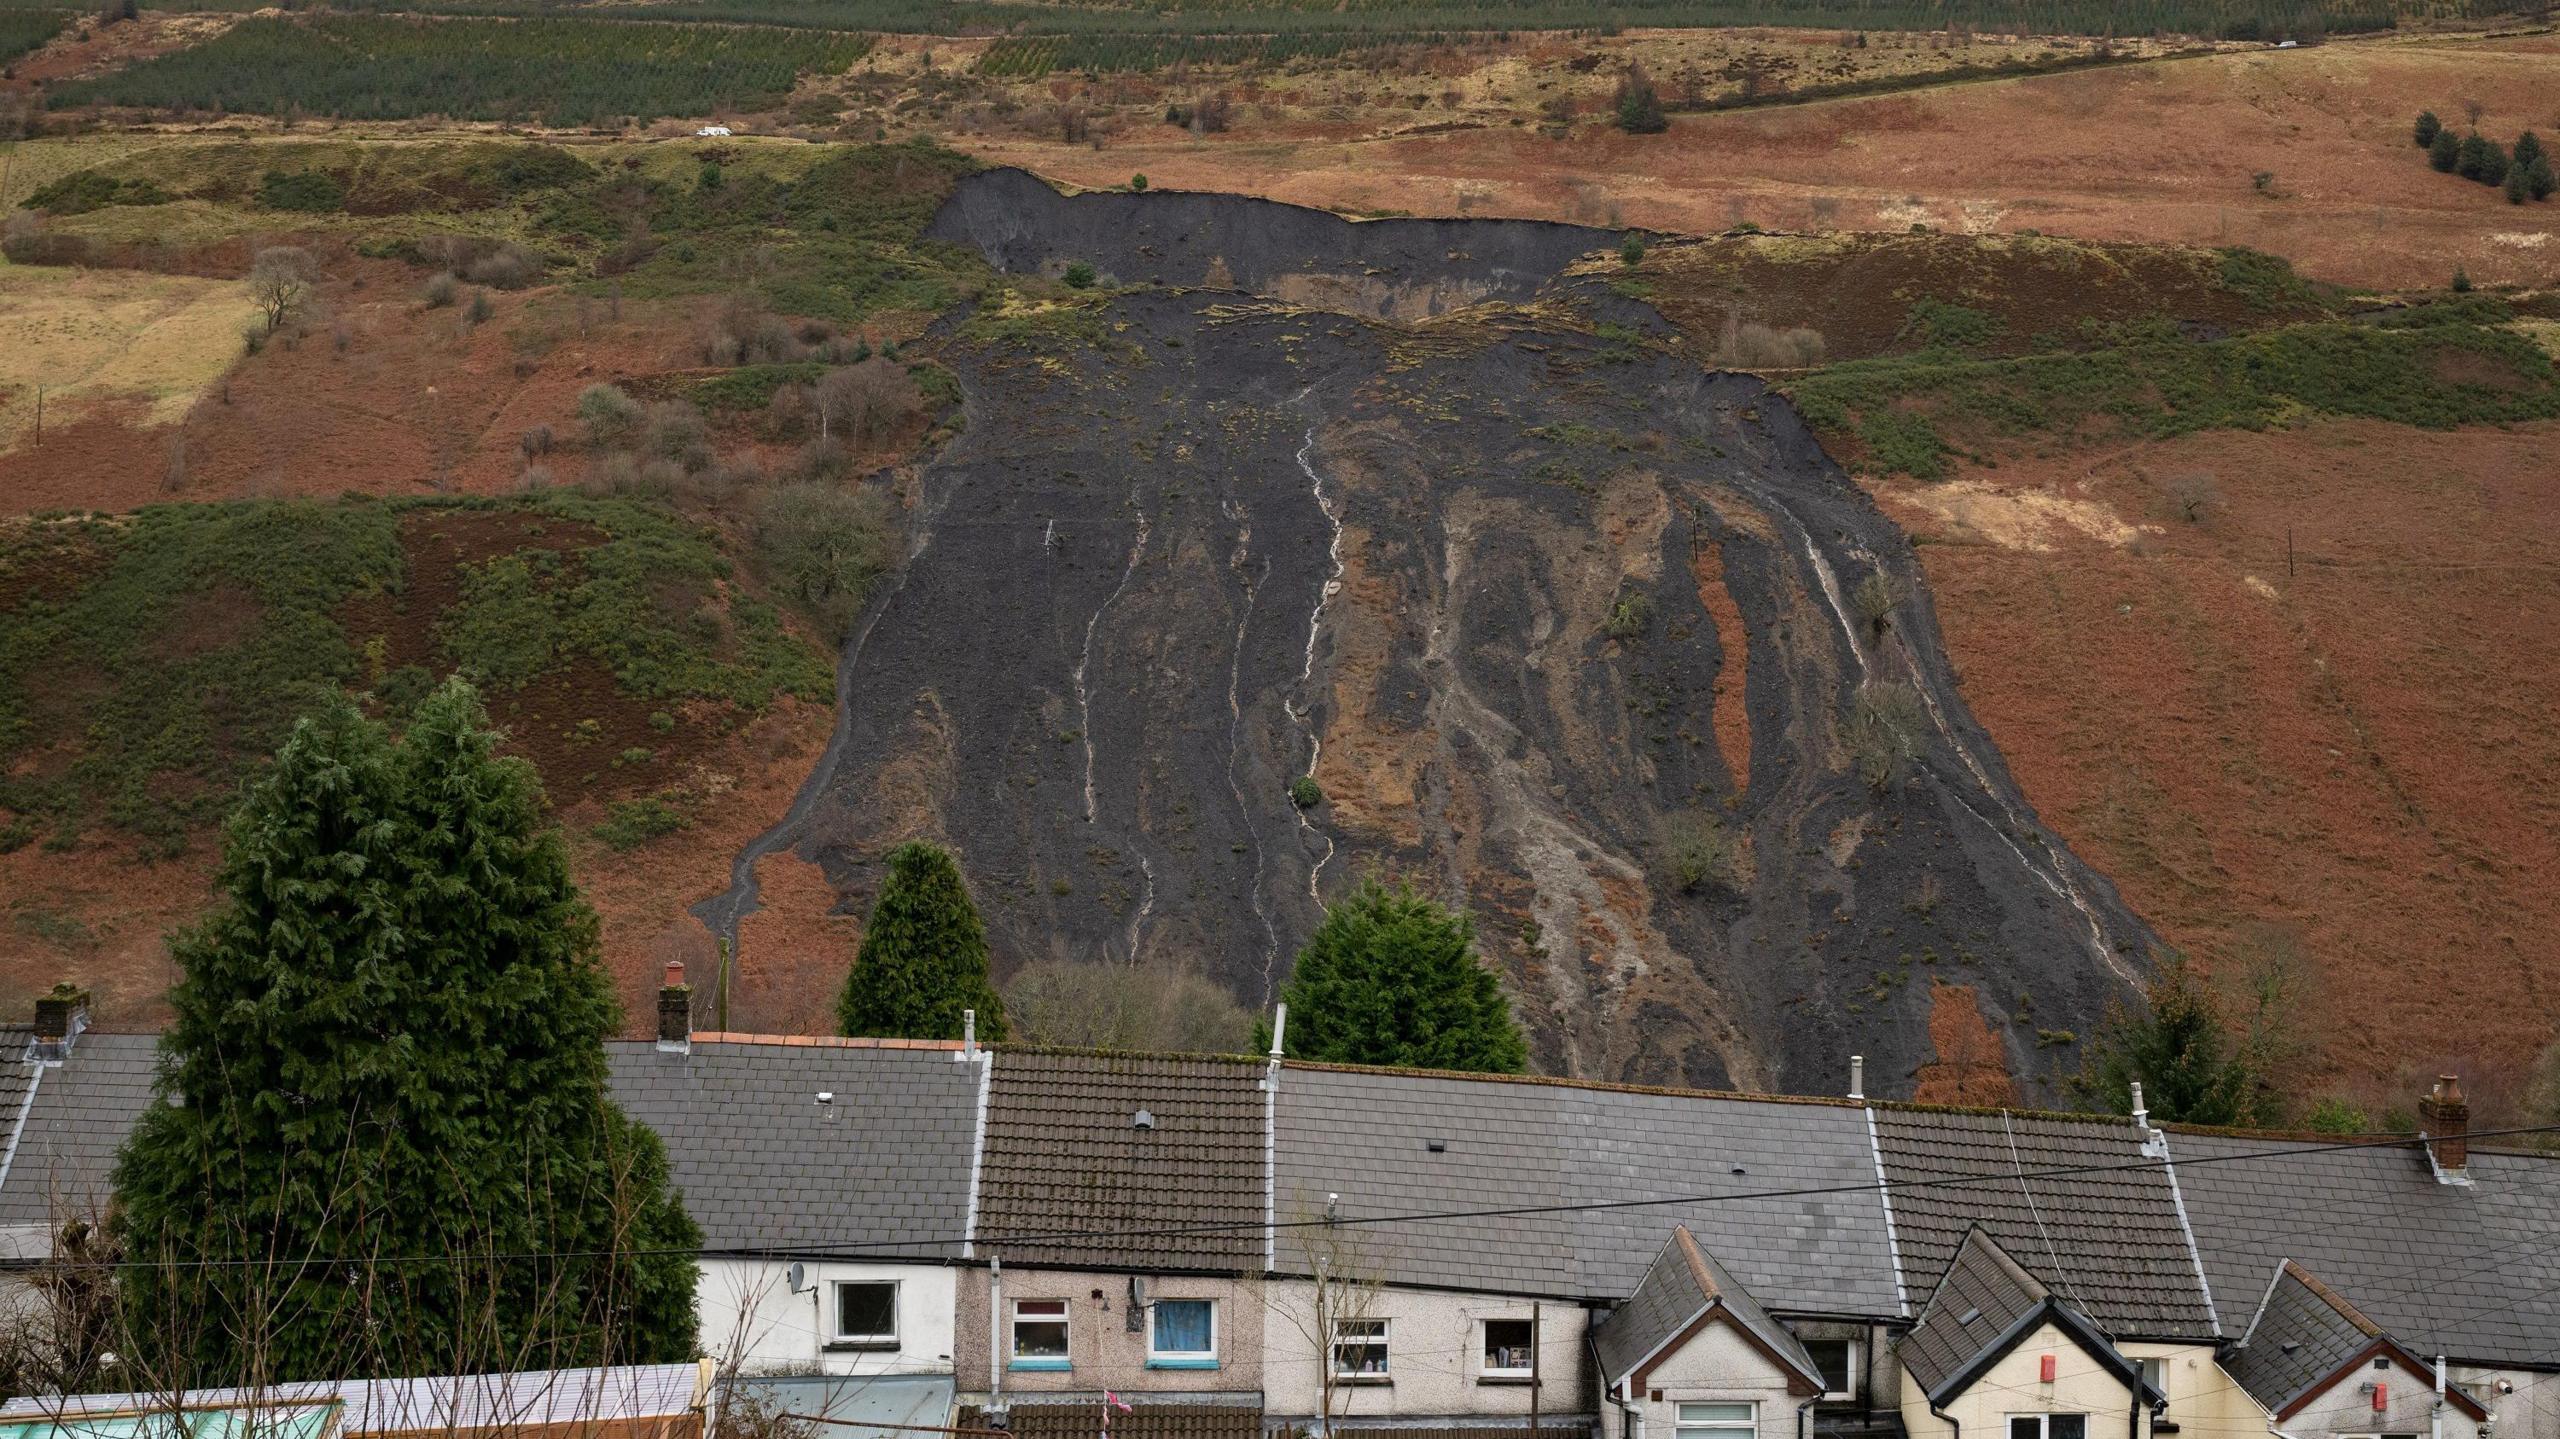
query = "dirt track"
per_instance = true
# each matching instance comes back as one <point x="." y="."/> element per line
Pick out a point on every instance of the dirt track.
<point x="1241" y="541"/>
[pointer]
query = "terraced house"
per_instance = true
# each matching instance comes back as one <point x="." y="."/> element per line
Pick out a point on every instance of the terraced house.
<point x="905" y="1231"/>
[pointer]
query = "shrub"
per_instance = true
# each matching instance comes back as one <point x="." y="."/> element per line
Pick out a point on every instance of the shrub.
<point x="1631" y="251"/>
<point x="439" y="291"/>
<point x="1936" y="323"/>
<point x="608" y="413"/>
<point x="1885" y="723"/>
<point x="2428" y="128"/>
<point x="1305" y="793"/>
<point x="1638" y="104"/>
<point x="1875" y="598"/>
<point x="2461" y="280"/>
<point x="480" y="309"/>
<point x="824" y="548"/>
<point x="1697" y="852"/>
<point x="1079" y="276"/>
<point x="1131" y="1008"/>
<point x="310" y="191"/>
<point x="1629" y="614"/>
<point x="1754" y="346"/>
<point x="508" y="267"/>
<point x="634" y="822"/>
<point x="1138" y="183"/>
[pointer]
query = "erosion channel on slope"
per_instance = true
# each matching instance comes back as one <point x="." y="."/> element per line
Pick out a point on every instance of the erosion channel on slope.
<point x="1415" y="508"/>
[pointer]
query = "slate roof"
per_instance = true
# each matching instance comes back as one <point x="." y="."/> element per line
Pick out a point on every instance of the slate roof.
<point x="1506" y="1143"/>
<point x="1984" y="1293"/>
<point x="2302" y="1334"/>
<point x="64" y="1163"/>
<point x="17" y="1086"/>
<point x="762" y="1165"/>
<point x="2465" y="1271"/>
<point x="1071" y="1177"/>
<point x="1682" y="1284"/>
<point x="2110" y="1242"/>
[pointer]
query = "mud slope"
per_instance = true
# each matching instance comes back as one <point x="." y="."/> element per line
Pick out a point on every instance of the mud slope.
<point x="1194" y="545"/>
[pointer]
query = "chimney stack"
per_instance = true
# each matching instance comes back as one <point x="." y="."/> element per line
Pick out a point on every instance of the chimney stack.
<point x="1857" y="1076"/>
<point x="675" y="1012"/>
<point x="60" y="1018"/>
<point x="2444" y="1120"/>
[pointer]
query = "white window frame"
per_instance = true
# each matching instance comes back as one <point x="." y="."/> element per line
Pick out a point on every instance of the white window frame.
<point x="1486" y="1368"/>
<point x="1856" y="1349"/>
<point x="835" y="1321"/>
<point x="1156" y="1353"/>
<point x="1702" y="1427"/>
<point x="1064" y="1318"/>
<point x="1384" y="1341"/>
<point x="2155" y="1371"/>
<point x="2044" y="1421"/>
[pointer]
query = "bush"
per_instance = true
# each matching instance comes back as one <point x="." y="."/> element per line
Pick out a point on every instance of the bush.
<point x="1631" y="251"/>
<point x="824" y="548"/>
<point x="1638" y="104"/>
<point x="1697" y="852"/>
<point x="1754" y="346"/>
<point x="1079" y="276"/>
<point x="1130" y="1008"/>
<point x="2428" y="128"/>
<point x="1138" y="183"/>
<point x="440" y="291"/>
<point x="1305" y="793"/>
<point x="1885" y="724"/>
<point x="480" y="309"/>
<point x="1875" y="598"/>
<point x="309" y="191"/>
<point x="2461" y="280"/>
<point x="608" y="413"/>
<point x="1629" y="615"/>
<point x="634" y="822"/>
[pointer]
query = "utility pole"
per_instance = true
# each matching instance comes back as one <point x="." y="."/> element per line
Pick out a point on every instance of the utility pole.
<point x="1536" y="1373"/>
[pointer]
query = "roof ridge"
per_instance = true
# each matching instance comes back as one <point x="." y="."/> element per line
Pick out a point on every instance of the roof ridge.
<point x="821" y="1041"/>
<point x="2339" y="1302"/>
<point x="1688" y="1243"/>
<point x="1557" y="1081"/>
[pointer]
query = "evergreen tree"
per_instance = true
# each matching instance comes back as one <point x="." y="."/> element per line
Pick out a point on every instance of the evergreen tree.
<point x="2445" y="151"/>
<point x="2538" y="178"/>
<point x="1639" y="104"/>
<point x="388" y="1147"/>
<point x="2180" y="1052"/>
<point x="923" y="957"/>
<point x="2528" y="149"/>
<point x="1392" y="978"/>
<point x="2535" y="162"/>
<point x="2428" y="128"/>
<point x="2519" y="185"/>
<point x="2482" y="159"/>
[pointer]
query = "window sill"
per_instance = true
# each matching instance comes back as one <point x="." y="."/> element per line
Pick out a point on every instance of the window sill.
<point x="1206" y="1363"/>
<point x="1041" y="1366"/>
<point x="860" y="1346"/>
<point x="1359" y="1379"/>
<point x="1516" y="1377"/>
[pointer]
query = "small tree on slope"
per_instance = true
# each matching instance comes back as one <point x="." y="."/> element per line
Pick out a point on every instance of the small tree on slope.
<point x="387" y="1146"/>
<point x="923" y="958"/>
<point x="1392" y="978"/>
<point x="2188" y="1066"/>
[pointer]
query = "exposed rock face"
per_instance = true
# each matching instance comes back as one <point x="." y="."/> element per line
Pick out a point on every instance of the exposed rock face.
<point x="1564" y="627"/>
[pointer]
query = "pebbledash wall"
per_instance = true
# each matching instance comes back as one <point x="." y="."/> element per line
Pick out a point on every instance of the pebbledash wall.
<point x="1435" y="1357"/>
<point x="750" y="1317"/>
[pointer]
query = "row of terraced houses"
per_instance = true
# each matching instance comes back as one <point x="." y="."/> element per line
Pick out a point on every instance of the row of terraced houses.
<point x="1063" y="1244"/>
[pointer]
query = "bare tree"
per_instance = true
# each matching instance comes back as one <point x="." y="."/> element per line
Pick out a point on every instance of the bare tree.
<point x="2196" y="495"/>
<point x="280" y="279"/>
<point x="866" y="400"/>
<point x="1339" y="1323"/>
<point x="1140" y="1007"/>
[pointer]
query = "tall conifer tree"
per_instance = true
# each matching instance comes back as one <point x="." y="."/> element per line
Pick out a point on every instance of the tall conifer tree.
<point x="924" y="956"/>
<point x="387" y="1146"/>
<point x="1392" y="978"/>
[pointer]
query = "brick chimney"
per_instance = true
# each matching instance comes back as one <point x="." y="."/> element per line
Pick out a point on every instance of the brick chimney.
<point x="2444" y="1119"/>
<point x="60" y="1017"/>
<point x="675" y="1012"/>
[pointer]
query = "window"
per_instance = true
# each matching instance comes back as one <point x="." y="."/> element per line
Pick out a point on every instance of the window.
<point x="867" y="1314"/>
<point x="2048" y="1426"/>
<point x="1039" y="1334"/>
<point x="1718" y="1421"/>
<point x="1506" y="1349"/>
<point x="2155" y="1372"/>
<point x="1837" y="1361"/>
<point x="1360" y="1350"/>
<point x="1182" y="1334"/>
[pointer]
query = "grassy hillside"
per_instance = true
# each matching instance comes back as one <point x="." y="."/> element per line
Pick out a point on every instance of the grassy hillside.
<point x="148" y="661"/>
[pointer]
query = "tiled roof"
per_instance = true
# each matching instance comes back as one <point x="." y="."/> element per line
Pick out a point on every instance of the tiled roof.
<point x="2109" y="1241"/>
<point x="1143" y="1421"/>
<point x="1682" y="1284"/>
<point x="1129" y="1150"/>
<point x="2302" y="1334"/>
<point x="2465" y="1271"/>
<point x="17" y="1086"/>
<point x="65" y="1161"/>
<point x="1981" y="1297"/>
<point x="762" y="1164"/>
<point x="1369" y="1135"/>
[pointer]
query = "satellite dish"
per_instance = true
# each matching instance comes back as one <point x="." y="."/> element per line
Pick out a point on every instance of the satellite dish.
<point x="798" y="1275"/>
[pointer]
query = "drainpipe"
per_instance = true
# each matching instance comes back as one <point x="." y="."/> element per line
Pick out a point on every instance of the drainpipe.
<point x="2435" y="1416"/>
<point x="1955" y="1426"/>
<point x="1804" y="1417"/>
<point x="1615" y="1393"/>
<point x="995" y="1327"/>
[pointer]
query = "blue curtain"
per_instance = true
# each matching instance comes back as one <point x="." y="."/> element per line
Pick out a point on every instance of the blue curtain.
<point x="1182" y="1326"/>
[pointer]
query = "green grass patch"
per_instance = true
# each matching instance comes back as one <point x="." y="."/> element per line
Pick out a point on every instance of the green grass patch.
<point x="149" y="662"/>
<point x="751" y="387"/>
<point x="561" y="71"/>
<point x="632" y="823"/>
<point x="2152" y="383"/>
